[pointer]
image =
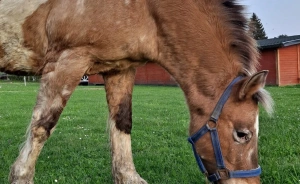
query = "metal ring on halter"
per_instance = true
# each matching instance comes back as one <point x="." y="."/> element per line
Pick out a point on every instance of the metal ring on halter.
<point x="210" y="128"/>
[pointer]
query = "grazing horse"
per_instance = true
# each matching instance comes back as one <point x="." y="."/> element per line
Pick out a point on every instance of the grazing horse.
<point x="203" y="44"/>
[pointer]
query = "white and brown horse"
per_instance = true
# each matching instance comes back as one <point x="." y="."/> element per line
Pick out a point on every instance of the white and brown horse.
<point x="203" y="44"/>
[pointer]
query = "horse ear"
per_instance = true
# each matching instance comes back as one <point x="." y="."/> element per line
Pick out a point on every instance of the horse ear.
<point x="253" y="84"/>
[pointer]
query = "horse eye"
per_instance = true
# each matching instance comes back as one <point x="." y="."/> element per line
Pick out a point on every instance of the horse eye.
<point x="242" y="136"/>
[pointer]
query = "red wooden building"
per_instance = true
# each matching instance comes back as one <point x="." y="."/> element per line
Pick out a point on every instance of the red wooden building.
<point x="150" y="74"/>
<point x="281" y="56"/>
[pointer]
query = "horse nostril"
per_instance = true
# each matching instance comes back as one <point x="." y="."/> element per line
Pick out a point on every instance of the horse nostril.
<point x="242" y="136"/>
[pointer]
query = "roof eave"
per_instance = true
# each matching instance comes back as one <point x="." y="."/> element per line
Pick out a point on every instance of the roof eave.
<point x="275" y="46"/>
<point x="290" y="43"/>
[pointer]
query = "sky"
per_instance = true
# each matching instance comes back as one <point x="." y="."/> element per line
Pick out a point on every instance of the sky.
<point x="277" y="16"/>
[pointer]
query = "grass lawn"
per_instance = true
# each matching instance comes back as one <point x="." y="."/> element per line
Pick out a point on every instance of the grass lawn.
<point x="78" y="151"/>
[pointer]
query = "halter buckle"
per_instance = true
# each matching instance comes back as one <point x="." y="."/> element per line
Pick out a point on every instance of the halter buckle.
<point x="224" y="174"/>
<point x="211" y="125"/>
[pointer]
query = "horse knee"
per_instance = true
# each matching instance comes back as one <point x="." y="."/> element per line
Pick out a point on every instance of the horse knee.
<point x="44" y="121"/>
<point x="39" y="134"/>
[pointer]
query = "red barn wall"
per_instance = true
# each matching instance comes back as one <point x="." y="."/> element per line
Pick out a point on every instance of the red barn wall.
<point x="150" y="73"/>
<point x="96" y="79"/>
<point x="268" y="61"/>
<point x="288" y="61"/>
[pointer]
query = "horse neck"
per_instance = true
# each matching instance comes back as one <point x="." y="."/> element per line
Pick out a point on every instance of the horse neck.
<point x="198" y="53"/>
<point x="203" y="76"/>
<point x="200" y="62"/>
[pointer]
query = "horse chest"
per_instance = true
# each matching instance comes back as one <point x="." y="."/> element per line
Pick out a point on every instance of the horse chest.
<point x="14" y="55"/>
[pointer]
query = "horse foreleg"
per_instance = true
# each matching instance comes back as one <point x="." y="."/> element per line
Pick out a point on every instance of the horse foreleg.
<point x="119" y="88"/>
<point x="58" y="82"/>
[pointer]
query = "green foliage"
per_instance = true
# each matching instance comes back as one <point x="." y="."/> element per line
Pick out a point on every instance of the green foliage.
<point x="282" y="36"/>
<point x="256" y="29"/>
<point x="78" y="151"/>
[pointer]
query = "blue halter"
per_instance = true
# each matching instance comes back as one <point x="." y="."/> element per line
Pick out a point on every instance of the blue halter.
<point x="222" y="172"/>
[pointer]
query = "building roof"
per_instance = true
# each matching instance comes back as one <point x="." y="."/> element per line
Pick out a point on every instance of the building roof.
<point x="278" y="42"/>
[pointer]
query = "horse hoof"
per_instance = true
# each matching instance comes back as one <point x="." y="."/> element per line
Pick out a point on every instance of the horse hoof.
<point x="130" y="179"/>
<point x="15" y="178"/>
<point x="21" y="182"/>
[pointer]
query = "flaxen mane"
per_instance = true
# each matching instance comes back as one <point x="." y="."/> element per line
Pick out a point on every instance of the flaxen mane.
<point x="246" y="46"/>
<point x="242" y="43"/>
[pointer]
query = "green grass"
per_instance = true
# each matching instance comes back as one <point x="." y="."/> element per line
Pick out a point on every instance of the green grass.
<point x="78" y="151"/>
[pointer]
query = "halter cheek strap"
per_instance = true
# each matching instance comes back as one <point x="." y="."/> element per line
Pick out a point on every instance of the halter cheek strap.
<point x="222" y="172"/>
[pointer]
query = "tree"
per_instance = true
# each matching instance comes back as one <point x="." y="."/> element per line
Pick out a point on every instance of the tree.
<point x="256" y="29"/>
<point x="282" y="36"/>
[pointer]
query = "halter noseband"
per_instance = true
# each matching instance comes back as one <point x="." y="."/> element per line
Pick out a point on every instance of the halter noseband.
<point x="222" y="172"/>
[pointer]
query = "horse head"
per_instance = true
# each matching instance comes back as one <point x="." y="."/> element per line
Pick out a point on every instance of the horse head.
<point x="225" y="147"/>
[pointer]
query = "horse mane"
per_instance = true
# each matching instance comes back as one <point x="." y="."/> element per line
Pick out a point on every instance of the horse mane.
<point x="242" y="43"/>
<point x="246" y="47"/>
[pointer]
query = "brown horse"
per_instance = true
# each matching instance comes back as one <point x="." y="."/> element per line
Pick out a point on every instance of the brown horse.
<point x="203" y="44"/>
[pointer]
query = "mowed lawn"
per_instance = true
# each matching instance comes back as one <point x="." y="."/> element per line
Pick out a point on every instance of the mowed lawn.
<point x="78" y="151"/>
